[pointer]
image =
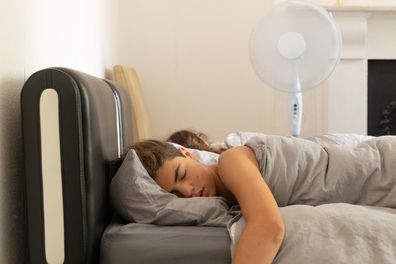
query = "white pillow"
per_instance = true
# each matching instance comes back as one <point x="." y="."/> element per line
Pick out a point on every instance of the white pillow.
<point x="205" y="157"/>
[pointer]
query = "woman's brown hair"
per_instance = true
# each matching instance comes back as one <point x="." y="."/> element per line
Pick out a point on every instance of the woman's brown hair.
<point x="152" y="154"/>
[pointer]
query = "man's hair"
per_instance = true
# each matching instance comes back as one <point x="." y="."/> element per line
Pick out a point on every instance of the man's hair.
<point x="192" y="139"/>
<point x="188" y="139"/>
<point x="152" y="154"/>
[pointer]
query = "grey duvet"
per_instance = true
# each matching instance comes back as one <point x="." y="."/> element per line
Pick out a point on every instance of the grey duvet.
<point x="334" y="233"/>
<point x="336" y="200"/>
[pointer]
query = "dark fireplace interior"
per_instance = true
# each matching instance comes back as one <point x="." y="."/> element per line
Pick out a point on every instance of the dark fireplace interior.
<point x="381" y="116"/>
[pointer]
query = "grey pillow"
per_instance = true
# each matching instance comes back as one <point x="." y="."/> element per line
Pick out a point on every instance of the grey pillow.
<point x="137" y="197"/>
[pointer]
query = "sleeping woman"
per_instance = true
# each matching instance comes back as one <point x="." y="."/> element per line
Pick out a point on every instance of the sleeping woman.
<point x="177" y="171"/>
<point x="276" y="171"/>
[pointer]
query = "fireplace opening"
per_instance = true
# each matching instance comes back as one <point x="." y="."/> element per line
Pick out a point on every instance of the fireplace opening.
<point x="381" y="108"/>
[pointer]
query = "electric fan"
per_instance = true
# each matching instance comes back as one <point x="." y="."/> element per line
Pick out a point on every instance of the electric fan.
<point x="295" y="47"/>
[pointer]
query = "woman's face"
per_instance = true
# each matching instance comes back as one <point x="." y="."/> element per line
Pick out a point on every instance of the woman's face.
<point x="185" y="177"/>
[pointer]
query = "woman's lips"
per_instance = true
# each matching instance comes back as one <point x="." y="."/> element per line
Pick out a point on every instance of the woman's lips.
<point x="202" y="193"/>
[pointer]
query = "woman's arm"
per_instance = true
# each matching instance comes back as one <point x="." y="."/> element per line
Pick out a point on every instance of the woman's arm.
<point x="264" y="230"/>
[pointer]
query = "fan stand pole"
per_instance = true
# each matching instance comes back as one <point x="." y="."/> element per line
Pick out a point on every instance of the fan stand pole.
<point x="295" y="104"/>
<point x="295" y="113"/>
<point x="291" y="46"/>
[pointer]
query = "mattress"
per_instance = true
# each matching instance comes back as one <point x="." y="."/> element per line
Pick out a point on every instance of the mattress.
<point x="150" y="244"/>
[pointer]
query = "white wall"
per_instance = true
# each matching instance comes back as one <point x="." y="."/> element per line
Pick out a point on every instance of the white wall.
<point x="12" y="236"/>
<point x="381" y="36"/>
<point x="192" y="58"/>
<point x="65" y="33"/>
<point x="37" y="34"/>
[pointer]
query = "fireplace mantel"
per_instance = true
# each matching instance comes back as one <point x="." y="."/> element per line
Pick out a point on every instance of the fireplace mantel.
<point x="367" y="9"/>
<point x="347" y="87"/>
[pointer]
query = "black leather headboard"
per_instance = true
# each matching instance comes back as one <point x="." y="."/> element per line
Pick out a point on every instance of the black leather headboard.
<point x="94" y="128"/>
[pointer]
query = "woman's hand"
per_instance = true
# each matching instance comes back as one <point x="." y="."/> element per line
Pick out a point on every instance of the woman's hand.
<point x="264" y="229"/>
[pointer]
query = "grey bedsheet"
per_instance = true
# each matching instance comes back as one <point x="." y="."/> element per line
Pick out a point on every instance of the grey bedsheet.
<point x="334" y="233"/>
<point x="131" y="243"/>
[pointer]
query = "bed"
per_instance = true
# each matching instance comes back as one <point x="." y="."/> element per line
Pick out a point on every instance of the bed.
<point x="91" y="120"/>
<point x="94" y="126"/>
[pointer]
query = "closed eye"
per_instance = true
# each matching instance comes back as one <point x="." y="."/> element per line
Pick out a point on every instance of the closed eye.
<point x="184" y="175"/>
<point x="177" y="173"/>
<point x="178" y="194"/>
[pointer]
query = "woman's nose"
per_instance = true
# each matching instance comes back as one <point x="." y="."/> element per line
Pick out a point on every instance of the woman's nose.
<point x="187" y="190"/>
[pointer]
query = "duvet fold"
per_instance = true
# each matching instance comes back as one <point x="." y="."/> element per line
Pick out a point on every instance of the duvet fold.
<point x="300" y="171"/>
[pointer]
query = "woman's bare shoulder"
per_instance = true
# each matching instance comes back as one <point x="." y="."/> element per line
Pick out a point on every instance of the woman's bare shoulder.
<point x="237" y="154"/>
<point x="238" y="170"/>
